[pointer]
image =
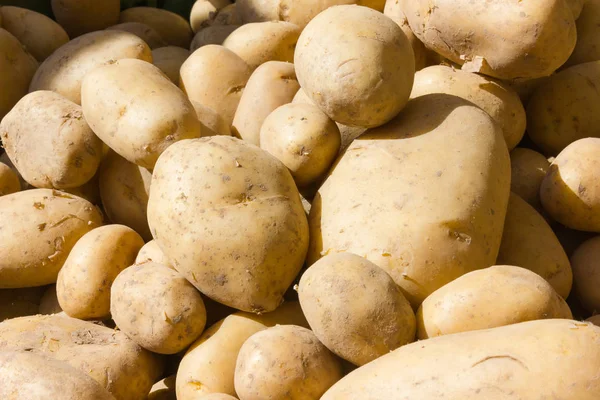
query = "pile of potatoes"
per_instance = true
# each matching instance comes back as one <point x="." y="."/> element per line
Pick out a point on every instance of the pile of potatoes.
<point x="301" y="200"/>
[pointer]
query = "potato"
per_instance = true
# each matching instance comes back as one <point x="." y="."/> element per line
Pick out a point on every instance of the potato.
<point x="143" y="31"/>
<point x="224" y="77"/>
<point x="232" y="254"/>
<point x="49" y="302"/>
<point x="565" y="108"/>
<point x="509" y="40"/>
<point x="570" y="192"/>
<point x="170" y="26"/>
<point x="38" y="33"/>
<point x="89" y="190"/>
<point x="215" y="34"/>
<point x="38" y="228"/>
<point x="64" y="70"/>
<point x="6" y="161"/>
<point x="204" y="12"/>
<point x="9" y="180"/>
<point x="528" y="169"/>
<point x="526" y="87"/>
<point x="361" y="71"/>
<point x="303" y="138"/>
<point x="136" y="110"/>
<point x="17" y="68"/>
<point x="587" y="48"/>
<point x="212" y="123"/>
<point x="163" y="389"/>
<point x="50" y="142"/>
<point x="444" y="186"/>
<point x="495" y="98"/>
<point x="528" y="242"/>
<point x="528" y="361"/>
<point x="83" y="285"/>
<point x="577" y="8"/>
<point x="586" y="273"/>
<point x="228" y="15"/>
<point x="157" y="308"/>
<point x="209" y="364"/>
<point x="151" y="252"/>
<point x="19" y="302"/>
<point x="169" y="60"/>
<point x="285" y="362"/>
<point x="271" y="85"/>
<point x="394" y="11"/>
<point x="83" y="16"/>
<point x="355" y="308"/>
<point x="106" y="355"/>
<point x="595" y="319"/>
<point x="34" y="377"/>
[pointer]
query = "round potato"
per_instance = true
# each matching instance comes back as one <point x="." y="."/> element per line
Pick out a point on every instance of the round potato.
<point x="356" y="65"/>
<point x="84" y="16"/>
<point x="212" y="123"/>
<point x="49" y="302"/>
<point x="528" y="169"/>
<point x="204" y="12"/>
<point x="586" y="273"/>
<point x="394" y="11"/>
<point x="20" y="302"/>
<point x="170" y="26"/>
<point x="50" y="142"/>
<point x="143" y="31"/>
<point x="587" y="48"/>
<point x="169" y="60"/>
<point x="570" y="192"/>
<point x="215" y="34"/>
<point x="151" y="252"/>
<point x="271" y="85"/>
<point x="65" y="69"/>
<point x="304" y="139"/>
<point x="9" y="180"/>
<point x="310" y="369"/>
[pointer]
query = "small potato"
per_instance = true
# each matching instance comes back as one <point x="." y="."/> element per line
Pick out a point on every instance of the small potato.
<point x="215" y="34"/>
<point x="212" y="123"/>
<point x="528" y="169"/>
<point x="38" y="33"/>
<point x="143" y="31"/>
<point x="169" y="60"/>
<point x="163" y="389"/>
<point x="50" y="142"/>
<point x="586" y="274"/>
<point x="204" y="12"/>
<point x="65" y="69"/>
<point x="271" y="85"/>
<point x="310" y="369"/>
<point x="49" y="302"/>
<point x="393" y="10"/>
<point x="134" y="108"/>
<point x="570" y="192"/>
<point x="170" y="26"/>
<point x="83" y="285"/>
<point x="355" y="308"/>
<point x="224" y="76"/>
<point x="84" y="16"/>
<point x="356" y="65"/>
<point x="151" y="252"/>
<point x="9" y="180"/>
<point x="303" y="138"/>
<point x="157" y="308"/>
<point x="20" y="302"/>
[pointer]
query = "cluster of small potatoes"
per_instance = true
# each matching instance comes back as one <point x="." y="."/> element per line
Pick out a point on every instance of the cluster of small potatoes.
<point x="302" y="200"/>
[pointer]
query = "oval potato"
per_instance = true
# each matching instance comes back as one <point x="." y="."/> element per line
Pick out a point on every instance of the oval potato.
<point x="170" y="26"/>
<point x="528" y="170"/>
<point x="83" y="16"/>
<point x="143" y="31"/>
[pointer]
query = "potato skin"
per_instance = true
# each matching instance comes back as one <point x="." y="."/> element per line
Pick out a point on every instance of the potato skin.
<point x="143" y="31"/>
<point x="531" y="353"/>
<point x="50" y="142"/>
<point x="204" y="12"/>
<point x="585" y="273"/>
<point x="394" y="11"/>
<point x="169" y="60"/>
<point x="38" y="228"/>
<point x="83" y="16"/>
<point x="310" y="368"/>
<point x="9" y="180"/>
<point x="587" y="48"/>
<point x="152" y="252"/>
<point x="65" y="69"/>
<point x="171" y="27"/>
<point x="368" y="73"/>
<point x="215" y="34"/>
<point x="213" y="123"/>
<point x="528" y="169"/>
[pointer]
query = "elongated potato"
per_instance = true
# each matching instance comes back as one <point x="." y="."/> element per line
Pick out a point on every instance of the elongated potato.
<point x="528" y="169"/>
<point x="84" y="16"/>
<point x="145" y="32"/>
<point x="9" y="180"/>
<point x="394" y="11"/>
<point x="527" y="360"/>
<point x="169" y="60"/>
<point x="65" y="69"/>
<point x="588" y="28"/>
<point x="170" y="26"/>
<point x="151" y="252"/>
<point x="20" y="302"/>
<point x="204" y="12"/>
<point x="271" y="85"/>
<point x="215" y="34"/>
<point x="213" y="124"/>
<point x="38" y="228"/>
<point x="586" y="268"/>
<point x="49" y="302"/>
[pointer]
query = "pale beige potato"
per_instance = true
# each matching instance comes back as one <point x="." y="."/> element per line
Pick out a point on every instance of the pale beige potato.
<point x="157" y="308"/>
<point x="64" y="70"/>
<point x="213" y="124"/>
<point x="271" y="85"/>
<point x="150" y="252"/>
<point x="228" y="15"/>
<point x="169" y="60"/>
<point x="78" y="17"/>
<point x="163" y="389"/>
<point x="20" y="302"/>
<point x="570" y="192"/>
<point x="498" y="100"/>
<point x="136" y="110"/>
<point x="285" y="362"/>
<point x="215" y="77"/>
<point x="204" y="12"/>
<point x="304" y="139"/>
<point x="38" y="228"/>
<point x="209" y="364"/>
<point x="529" y="360"/>
<point x="528" y="169"/>
<point x="119" y="365"/>
<point x="170" y="26"/>
<point x="588" y="29"/>
<point x="356" y="65"/>
<point x="586" y="273"/>
<point x="50" y="142"/>
<point x="145" y="32"/>
<point x="9" y="180"/>
<point x="49" y="302"/>
<point x="506" y="40"/>
<point x="215" y="34"/>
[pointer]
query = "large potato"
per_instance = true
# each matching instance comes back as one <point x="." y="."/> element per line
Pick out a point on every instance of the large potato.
<point x="204" y="11"/>
<point x="570" y="192"/>
<point x="136" y="110"/>
<point x="586" y="273"/>
<point x="355" y="308"/>
<point x="215" y="34"/>
<point x="588" y="41"/>
<point x="285" y="362"/>
<point x="171" y="27"/>
<point x="237" y="231"/>
<point x="528" y="170"/>
<point x="9" y="180"/>
<point x="507" y="40"/>
<point x="84" y="16"/>
<point x="50" y="142"/>
<point x="213" y="124"/>
<point x="394" y="11"/>
<point x="106" y="355"/>
<point x="215" y="77"/>
<point x="528" y="242"/>
<point x="169" y="60"/>
<point x="65" y="69"/>
<point x="356" y="65"/>
<point x="38" y="229"/>
<point x="436" y="177"/>
<point x="16" y="303"/>
<point x="271" y="85"/>
<point x="495" y="98"/>
<point x="146" y="33"/>
<point x="527" y="361"/>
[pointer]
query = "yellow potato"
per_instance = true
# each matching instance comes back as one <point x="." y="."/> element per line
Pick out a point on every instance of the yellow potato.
<point x="577" y="7"/>
<point x="204" y="12"/>
<point x="20" y="302"/>
<point x="394" y="11"/>
<point x="528" y="169"/>
<point x="49" y="302"/>
<point x="588" y="26"/>
<point x="215" y="34"/>
<point x="170" y="26"/>
<point x="586" y="273"/>
<point x="169" y="60"/>
<point x="9" y="180"/>
<point x="5" y="160"/>
<point x="84" y="16"/>
<point x="151" y="252"/>
<point x="212" y="123"/>
<point x="146" y="33"/>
